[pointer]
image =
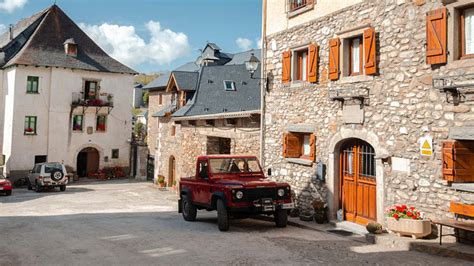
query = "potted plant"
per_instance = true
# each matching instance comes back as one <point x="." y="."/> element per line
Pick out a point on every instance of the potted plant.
<point x="404" y="220"/>
<point x="374" y="228"/>
<point x="174" y="185"/>
<point x="161" y="181"/>
<point x="320" y="211"/>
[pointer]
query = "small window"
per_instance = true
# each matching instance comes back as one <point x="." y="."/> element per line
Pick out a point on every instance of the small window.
<point x="173" y="131"/>
<point x="192" y="122"/>
<point x="229" y="85"/>
<point x="299" y="145"/>
<point x="467" y="33"/>
<point x="32" y="84"/>
<point x="30" y="125"/>
<point x="301" y="63"/>
<point x="77" y="123"/>
<point x="91" y="90"/>
<point x="298" y="4"/>
<point x="231" y="121"/>
<point x="115" y="153"/>
<point x="101" y="124"/>
<point x="355" y="56"/>
<point x="41" y="159"/>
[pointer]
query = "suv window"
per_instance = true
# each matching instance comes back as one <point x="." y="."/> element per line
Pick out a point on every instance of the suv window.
<point x="37" y="169"/>
<point x="234" y="165"/>
<point x="49" y="168"/>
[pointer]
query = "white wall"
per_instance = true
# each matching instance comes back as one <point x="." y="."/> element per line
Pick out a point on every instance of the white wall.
<point x="55" y="137"/>
<point x="277" y="19"/>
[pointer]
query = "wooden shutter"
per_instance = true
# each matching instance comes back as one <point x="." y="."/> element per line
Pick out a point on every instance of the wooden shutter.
<point x="291" y="146"/>
<point x="312" y="144"/>
<point x="370" y="52"/>
<point x="286" y="64"/>
<point x="436" y="36"/>
<point x="334" y="59"/>
<point x="458" y="161"/>
<point x="313" y="63"/>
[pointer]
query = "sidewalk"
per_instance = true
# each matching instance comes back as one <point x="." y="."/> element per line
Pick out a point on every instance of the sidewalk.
<point x="358" y="233"/>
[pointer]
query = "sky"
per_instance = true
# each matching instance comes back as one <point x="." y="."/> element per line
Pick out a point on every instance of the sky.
<point x="154" y="35"/>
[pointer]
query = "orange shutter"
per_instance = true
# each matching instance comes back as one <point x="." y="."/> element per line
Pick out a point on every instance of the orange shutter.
<point x="463" y="209"/>
<point x="313" y="63"/>
<point x="458" y="161"/>
<point x="436" y="36"/>
<point x="370" y="52"/>
<point x="334" y="59"/>
<point x="312" y="144"/>
<point x="286" y="64"/>
<point x="291" y="146"/>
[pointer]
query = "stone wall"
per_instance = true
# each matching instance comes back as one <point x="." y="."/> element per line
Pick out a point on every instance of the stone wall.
<point x="153" y="122"/>
<point x="401" y="106"/>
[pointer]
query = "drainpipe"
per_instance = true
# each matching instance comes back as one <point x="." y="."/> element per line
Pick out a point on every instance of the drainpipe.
<point x="263" y="84"/>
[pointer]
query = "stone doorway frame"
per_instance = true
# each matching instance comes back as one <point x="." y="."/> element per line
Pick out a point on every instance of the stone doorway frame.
<point x="333" y="178"/>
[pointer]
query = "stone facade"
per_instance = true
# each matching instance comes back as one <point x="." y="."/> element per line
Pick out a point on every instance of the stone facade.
<point x="191" y="140"/>
<point x="400" y="107"/>
<point x="153" y="122"/>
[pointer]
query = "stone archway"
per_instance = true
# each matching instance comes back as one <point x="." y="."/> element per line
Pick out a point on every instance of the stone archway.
<point x="334" y="176"/>
<point x="88" y="161"/>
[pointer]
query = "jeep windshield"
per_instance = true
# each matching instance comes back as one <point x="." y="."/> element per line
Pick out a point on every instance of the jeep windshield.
<point x="235" y="166"/>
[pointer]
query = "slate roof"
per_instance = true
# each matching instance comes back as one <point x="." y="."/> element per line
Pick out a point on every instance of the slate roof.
<point x="186" y="81"/>
<point x="241" y="58"/>
<point x="159" y="83"/>
<point x="163" y="111"/>
<point x="39" y="41"/>
<point x="212" y="98"/>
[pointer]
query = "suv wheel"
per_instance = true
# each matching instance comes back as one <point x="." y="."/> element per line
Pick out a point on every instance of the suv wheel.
<point x="57" y="175"/>
<point x="189" y="210"/>
<point x="62" y="187"/>
<point x="281" y="218"/>
<point x="222" y="216"/>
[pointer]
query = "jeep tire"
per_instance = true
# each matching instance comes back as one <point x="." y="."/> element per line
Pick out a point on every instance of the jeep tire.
<point x="189" y="210"/>
<point x="57" y="175"/>
<point x="62" y="187"/>
<point x="222" y="216"/>
<point x="281" y="218"/>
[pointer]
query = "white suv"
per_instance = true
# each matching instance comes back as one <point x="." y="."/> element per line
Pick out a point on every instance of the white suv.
<point x="47" y="175"/>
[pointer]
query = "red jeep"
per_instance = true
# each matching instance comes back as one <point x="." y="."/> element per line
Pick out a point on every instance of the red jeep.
<point x="236" y="187"/>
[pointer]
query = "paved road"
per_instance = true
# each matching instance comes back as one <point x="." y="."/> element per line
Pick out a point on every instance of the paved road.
<point x="130" y="223"/>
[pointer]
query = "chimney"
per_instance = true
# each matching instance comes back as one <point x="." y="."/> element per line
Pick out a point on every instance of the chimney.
<point x="10" y="28"/>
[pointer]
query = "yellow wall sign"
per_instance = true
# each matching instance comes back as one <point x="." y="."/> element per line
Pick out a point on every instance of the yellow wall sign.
<point x="426" y="146"/>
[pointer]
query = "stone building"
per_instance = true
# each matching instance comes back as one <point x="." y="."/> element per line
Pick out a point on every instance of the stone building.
<point x="63" y="99"/>
<point x="366" y="92"/>
<point x="210" y="106"/>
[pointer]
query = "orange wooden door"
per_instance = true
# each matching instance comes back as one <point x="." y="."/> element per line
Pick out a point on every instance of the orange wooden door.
<point x="358" y="182"/>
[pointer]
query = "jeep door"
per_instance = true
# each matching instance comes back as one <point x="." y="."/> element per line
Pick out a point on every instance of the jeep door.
<point x="202" y="178"/>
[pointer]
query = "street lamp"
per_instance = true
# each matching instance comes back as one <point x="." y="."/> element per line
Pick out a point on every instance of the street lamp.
<point x="252" y="65"/>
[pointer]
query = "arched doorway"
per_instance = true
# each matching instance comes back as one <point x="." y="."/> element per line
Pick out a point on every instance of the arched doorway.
<point x="358" y="181"/>
<point x="87" y="161"/>
<point x="172" y="171"/>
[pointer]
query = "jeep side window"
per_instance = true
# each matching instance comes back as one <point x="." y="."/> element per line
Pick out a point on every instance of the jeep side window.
<point x="203" y="173"/>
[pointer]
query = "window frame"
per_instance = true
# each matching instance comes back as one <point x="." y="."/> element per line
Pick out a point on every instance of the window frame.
<point x="173" y="131"/>
<point x="297" y="64"/>
<point x="462" y="33"/>
<point x="86" y="90"/>
<point x="82" y="123"/>
<point x="361" y="56"/>
<point x="34" y="128"/>
<point x="301" y="147"/>
<point x="97" y="123"/>
<point x="115" y="154"/>
<point x="29" y="90"/>
<point x="232" y="83"/>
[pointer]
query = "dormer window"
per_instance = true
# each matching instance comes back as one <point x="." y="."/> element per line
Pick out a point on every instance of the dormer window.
<point x="229" y="85"/>
<point x="70" y="47"/>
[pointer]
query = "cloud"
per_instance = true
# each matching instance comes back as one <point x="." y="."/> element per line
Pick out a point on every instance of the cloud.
<point x="244" y="43"/>
<point x="10" y="5"/>
<point x="259" y="42"/>
<point x="124" y="44"/>
<point x="3" y="28"/>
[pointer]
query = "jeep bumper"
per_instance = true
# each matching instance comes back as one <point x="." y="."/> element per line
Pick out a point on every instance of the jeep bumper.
<point x="51" y="183"/>
<point x="263" y="208"/>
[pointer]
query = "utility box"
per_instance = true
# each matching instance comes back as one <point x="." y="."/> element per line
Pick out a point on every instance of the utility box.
<point x="321" y="171"/>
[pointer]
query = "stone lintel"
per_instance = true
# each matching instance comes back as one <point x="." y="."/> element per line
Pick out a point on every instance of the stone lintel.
<point x="299" y="161"/>
<point x="304" y="128"/>
<point x="461" y="133"/>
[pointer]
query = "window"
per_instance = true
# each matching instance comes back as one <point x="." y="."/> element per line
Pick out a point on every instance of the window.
<point x="299" y="145"/>
<point x="301" y="65"/>
<point x="467" y="33"/>
<point x="173" y="131"/>
<point x="229" y="85"/>
<point x="37" y="169"/>
<point x="77" y="123"/>
<point x="355" y="56"/>
<point x="41" y="159"/>
<point x="90" y="90"/>
<point x="32" y="84"/>
<point x="160" y="99"/>
<point x="210" y="122"/>
<point x="101" y="124"/>
<point x="30" y="125"/>
<point x="295" y="5"/>
<point x="115" y="153"/>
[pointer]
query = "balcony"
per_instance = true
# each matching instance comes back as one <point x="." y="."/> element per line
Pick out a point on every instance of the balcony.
<point x="98" y="102"/>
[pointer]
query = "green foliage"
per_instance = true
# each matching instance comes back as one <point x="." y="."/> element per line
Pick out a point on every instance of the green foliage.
<point x="146" y="96"/>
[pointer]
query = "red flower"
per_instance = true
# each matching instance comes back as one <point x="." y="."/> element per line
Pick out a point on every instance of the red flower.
<point x="412" y="208"/>
<point x="395" y="216"/>
<point x="409" y="214"/>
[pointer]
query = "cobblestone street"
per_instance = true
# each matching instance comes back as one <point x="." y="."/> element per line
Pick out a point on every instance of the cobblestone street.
<point x="129" y="223"/>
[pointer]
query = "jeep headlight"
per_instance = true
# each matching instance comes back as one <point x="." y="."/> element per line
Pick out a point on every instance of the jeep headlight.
<point x="281" y="192"/>
<point x="239" y="194"/>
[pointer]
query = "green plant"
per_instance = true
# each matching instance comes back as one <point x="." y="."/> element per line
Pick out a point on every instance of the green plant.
<point x="146" y="96"/>
<point x="174" y="183"/>
<point x="404" y="212"/>
<point x="161" y="179"/>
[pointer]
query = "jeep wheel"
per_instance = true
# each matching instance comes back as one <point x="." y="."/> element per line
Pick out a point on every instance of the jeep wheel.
<point x="62" y="188"/>
<point x="222" y="216"/>
<point x="189" y="210"/>
<point x="281" y="218"/>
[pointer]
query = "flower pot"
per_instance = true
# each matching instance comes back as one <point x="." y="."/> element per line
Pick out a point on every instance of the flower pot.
<point x="162" y="184"/>
<point x="320" y="216"/>
<point x="409" y="227"/>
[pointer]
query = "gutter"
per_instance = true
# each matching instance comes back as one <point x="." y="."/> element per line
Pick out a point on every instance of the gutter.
<point x="263" y="84"/>
<point x="242" y="114"/>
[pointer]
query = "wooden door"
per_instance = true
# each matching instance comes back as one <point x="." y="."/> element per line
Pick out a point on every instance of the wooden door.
<point x="358" y="180"/>
<point x="172" y="171"/>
